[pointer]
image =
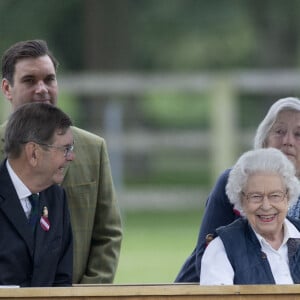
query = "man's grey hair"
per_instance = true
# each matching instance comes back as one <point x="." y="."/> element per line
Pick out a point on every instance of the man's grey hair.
<point x="34" y="122"/>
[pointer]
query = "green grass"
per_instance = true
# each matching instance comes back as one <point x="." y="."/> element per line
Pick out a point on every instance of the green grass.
<point x="155" y="245"/>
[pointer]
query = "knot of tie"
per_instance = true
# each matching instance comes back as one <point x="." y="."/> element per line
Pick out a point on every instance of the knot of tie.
<point x="34" y="201"/>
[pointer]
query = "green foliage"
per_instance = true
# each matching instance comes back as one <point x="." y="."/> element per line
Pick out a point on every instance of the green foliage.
<point x="71" y="105"/>
<point x="171" y="178"/>
<point x="173" y="109"/>
<point x="174" y="35"/>
<point x="171" y="169"/>
<point x="253" y="108"/>
<point x="156" y="244"/>
<point x="188" y="35"/>
<point x="58" y="22"/>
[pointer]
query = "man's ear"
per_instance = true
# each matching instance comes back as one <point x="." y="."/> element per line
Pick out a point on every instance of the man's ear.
<point x="32" y="152"/>
<point x="6" y="89"/>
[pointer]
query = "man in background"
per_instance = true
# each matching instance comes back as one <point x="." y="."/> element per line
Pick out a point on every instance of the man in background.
<point x="29" y="75"/>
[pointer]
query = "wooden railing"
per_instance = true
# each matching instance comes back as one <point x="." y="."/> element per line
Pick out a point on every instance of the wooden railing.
<point x="155" y="292"/>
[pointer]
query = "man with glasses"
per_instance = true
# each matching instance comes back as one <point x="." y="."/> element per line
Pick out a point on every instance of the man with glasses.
<point x="67" y="150"/>
<point x="36" y="245"/>
<point x="29" y="75"/>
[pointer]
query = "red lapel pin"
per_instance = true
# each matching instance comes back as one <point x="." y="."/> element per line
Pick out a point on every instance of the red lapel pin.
<point x="44" y="221"/>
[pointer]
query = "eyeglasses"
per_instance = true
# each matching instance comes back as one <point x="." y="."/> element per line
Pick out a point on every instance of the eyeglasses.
<point x="67" y="150"/>
<point x="257" y="198"/>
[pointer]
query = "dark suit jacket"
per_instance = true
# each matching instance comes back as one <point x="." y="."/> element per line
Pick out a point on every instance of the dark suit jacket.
<point x="45" y="260"/>
<point x="94" y="210"/>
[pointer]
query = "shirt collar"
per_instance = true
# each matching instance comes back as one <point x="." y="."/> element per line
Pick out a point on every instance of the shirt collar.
<point x="289" y="231"/>
<point x="20" y="187"/>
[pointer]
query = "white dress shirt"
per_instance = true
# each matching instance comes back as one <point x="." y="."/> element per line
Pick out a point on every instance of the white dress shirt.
<point x="217" y="270"/>
<point x="22" y="191"/>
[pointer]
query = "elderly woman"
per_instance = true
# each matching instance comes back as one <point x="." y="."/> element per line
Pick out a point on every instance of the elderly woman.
<point x="279" y="129"/>
<point x="263" y="246"/>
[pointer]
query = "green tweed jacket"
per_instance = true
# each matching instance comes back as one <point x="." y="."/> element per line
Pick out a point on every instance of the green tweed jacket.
<point x="95" y="215"/>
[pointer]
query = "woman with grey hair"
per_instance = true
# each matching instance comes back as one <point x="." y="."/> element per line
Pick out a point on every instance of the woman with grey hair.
<point x="263" y="246"/>
<point x="279" y="129"/>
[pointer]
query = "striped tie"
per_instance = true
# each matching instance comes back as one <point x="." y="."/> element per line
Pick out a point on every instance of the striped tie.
<point x="34" y="201"/>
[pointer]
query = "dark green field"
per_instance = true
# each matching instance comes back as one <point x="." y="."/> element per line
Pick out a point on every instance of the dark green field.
<point x="155" y="245"/>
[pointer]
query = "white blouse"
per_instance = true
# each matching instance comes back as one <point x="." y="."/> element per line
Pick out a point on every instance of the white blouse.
<point x="217" y="270"/>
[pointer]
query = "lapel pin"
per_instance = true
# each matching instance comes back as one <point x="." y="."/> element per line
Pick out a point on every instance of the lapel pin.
<point x="44" y="221"/>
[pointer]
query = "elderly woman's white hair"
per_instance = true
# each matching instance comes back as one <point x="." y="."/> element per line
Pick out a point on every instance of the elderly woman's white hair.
<point x="261" y="160"/>
<point x="265" y="126"/>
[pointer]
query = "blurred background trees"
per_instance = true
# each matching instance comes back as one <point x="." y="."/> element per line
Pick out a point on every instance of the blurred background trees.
<point x="168" y="35"/>
<point x="158" y="36"/>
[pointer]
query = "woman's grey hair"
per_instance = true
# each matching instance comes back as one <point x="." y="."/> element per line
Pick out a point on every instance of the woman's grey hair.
<point x="261" y="160"/>
<point x="265" y="126"/>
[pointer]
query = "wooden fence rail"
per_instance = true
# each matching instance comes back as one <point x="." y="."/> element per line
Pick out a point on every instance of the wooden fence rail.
<point x="155" y="292"/>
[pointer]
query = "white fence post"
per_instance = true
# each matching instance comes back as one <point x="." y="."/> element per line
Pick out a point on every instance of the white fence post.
<point x="223" y="126"/>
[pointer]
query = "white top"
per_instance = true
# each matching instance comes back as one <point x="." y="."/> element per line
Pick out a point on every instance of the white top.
<point x="22" y="191"/>
<point x="217" y="270"/>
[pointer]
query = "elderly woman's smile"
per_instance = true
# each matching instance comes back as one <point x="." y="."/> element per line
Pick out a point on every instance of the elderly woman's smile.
<point x="265" y="204"/>
<point x="266" y="219"/>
